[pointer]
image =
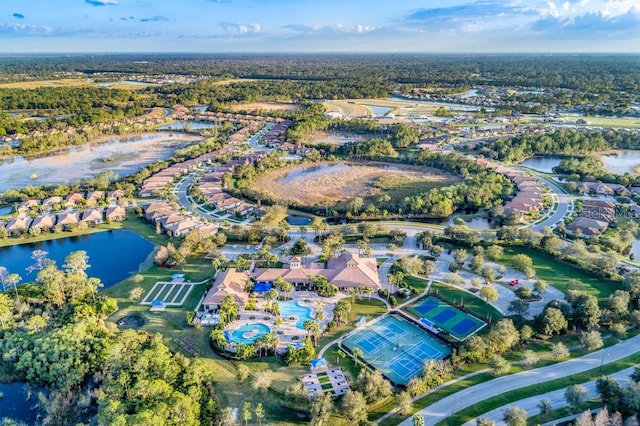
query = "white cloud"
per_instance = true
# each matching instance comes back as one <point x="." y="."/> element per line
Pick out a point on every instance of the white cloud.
<point x="231" y="29"/>
<point x="331" y="29"/>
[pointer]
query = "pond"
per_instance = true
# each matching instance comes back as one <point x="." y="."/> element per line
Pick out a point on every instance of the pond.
<point x="123" y="248"/>
<point x="296" y="220"/>
<point x="621" y="162"/>
<point x="5" y="210"/>
<point x="635" y="249"/>
<point x="19" y="402"/>
<point x="123" y="155"/>
<point x="378" y="111"/>
<point x="542" y="164"/>
<point x="188" y="125"/>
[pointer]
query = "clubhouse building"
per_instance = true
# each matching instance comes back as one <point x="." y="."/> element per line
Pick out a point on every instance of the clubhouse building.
<point x="345" y="272"/>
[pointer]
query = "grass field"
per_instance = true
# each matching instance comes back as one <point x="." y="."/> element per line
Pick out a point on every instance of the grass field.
<point x="346" y="108"/>
<point x="311" y="185"/>
<point x="69" y="82"/>
<point x="34" y="84"/>
<point x="559" y="274"/>
<point x="400" y="187"/>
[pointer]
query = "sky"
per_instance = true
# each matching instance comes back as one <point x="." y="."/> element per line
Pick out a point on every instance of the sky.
<point x="430" y="26"/>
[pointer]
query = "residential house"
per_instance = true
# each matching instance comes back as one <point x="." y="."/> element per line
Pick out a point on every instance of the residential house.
<point x="92" y="217"/>
<point x="178" y="229"/>
<point x="67" y="219"/>
<point x="51" y="202"/>
<point x="18" y="225"/>
<point x="94" y="197"/>
<point x="587" y="227"/>
<point x="45" y="222"/>
<point x="116" y="214"/>
<point x="73" y="199"/>
<point x="25" y="206"/>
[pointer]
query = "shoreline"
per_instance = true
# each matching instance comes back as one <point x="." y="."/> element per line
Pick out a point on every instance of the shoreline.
<point x="98" y="141"/>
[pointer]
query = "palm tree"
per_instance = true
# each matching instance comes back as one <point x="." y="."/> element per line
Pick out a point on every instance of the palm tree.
<point x="340" y="355"/>
<point x="357" y="354"/>
<point x="287" y="288"/>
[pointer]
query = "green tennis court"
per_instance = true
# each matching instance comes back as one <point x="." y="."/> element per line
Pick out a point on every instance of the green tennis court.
<point x="396" y="347"/>
<point x="440" y="314"/>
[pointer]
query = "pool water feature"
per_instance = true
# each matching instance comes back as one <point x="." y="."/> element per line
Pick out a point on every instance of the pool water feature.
<point x="296" y="220"/>
<point x="249" y="333"/>
<point x="293" y="308"/>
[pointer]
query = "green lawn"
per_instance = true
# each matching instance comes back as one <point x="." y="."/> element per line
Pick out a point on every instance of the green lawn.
<point x="473" y="304"/>
<point x="558" y="274"/>
<point x="369" y="308"/>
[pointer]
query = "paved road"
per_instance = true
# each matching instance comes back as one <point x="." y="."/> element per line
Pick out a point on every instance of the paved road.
<point x="474" y="394"/>
<point x="565" y="205"/>
<point x="530" y="405"/>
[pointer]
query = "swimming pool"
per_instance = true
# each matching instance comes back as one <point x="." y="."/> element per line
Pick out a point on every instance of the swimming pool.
<point x="249" y="333"/>
<point x="295" y="309"/>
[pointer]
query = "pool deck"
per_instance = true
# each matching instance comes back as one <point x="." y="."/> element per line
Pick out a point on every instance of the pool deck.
<point x="288" y="332"/>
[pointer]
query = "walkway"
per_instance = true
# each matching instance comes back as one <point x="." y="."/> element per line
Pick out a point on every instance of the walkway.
<point x="472" y="395"/>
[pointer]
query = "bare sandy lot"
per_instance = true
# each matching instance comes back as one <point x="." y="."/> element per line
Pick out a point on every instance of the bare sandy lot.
<point x="268" y="106"/>
<point x="339" y="181"/>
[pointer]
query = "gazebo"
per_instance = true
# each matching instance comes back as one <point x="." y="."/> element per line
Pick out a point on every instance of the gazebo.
<point x="319" y="365"/>
<point x="158" y="305"/>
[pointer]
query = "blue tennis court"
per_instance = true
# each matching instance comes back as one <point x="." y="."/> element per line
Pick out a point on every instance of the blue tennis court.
<point x="396" y="347"/>
<point x="426" y="306"/>
<point x="444" y="316"/>
<point x="464" y="326"/>
<point x="448" y="318"/>
<point x="410" y="361"/>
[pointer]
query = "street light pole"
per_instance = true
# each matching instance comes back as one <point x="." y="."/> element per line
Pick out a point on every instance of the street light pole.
<point x="604" y="353"/>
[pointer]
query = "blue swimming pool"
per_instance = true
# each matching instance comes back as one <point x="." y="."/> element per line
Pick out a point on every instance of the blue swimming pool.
<point x="295" y="309"/>
<point x="249" y="333"/>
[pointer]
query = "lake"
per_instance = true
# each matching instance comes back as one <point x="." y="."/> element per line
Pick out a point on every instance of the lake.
<point x="14" y="404"/>
<point x="378" y="111"/>
<point x="621" y="162"/>
<point x="122" y="155"/>
<point x="191" y="124"/>
<point x="542" y="164"/>
<point x="121" y="248"/>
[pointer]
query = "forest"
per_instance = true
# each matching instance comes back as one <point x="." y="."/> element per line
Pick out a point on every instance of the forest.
<point x="560" y="142"/>
<point x="53" y="334"/>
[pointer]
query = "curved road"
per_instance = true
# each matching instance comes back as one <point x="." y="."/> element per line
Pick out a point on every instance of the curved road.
<point x="557" y="399"/>
<point x="451" y="404"/>
<point x="563" y="200"/>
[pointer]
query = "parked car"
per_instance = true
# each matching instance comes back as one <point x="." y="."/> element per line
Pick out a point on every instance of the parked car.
<point x="514" y="282"/>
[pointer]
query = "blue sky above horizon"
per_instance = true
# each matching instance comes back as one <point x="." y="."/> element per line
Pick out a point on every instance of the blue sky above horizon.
<point x="320" y="26"/>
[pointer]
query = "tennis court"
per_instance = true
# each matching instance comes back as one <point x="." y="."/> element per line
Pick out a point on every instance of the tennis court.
<point x="396" y="347"/>
<point x="452" y="320"/>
